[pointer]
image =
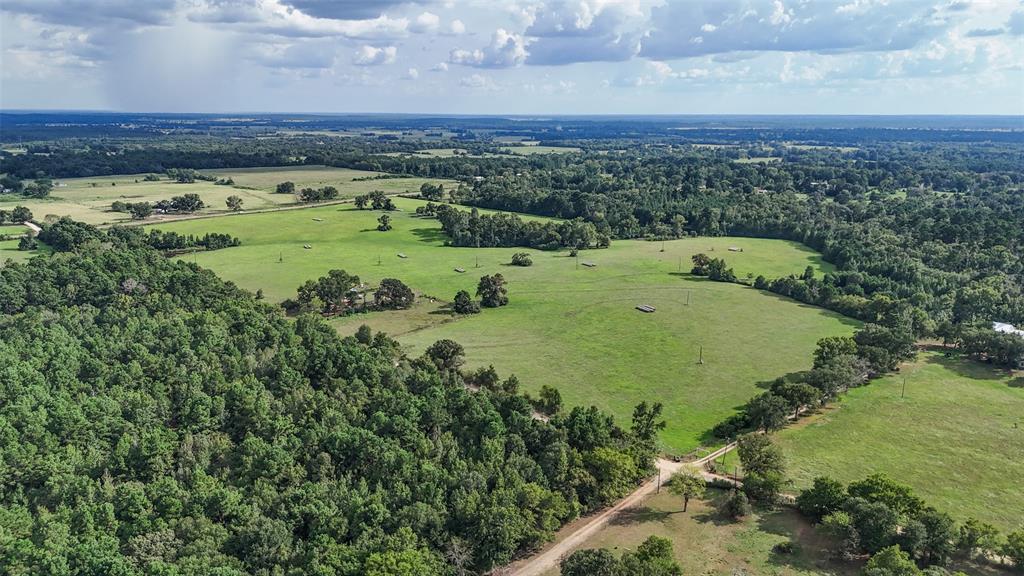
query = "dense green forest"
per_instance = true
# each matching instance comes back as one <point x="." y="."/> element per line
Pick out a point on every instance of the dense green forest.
<point x="157" y="420"/>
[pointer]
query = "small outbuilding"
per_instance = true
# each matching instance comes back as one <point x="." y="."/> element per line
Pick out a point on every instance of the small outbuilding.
<point x="646" y="308"/>
<point x="1007" y="328"/>
<point x="460" y="270"/>
<point x="735" y="249"/>
<point x="588" y="264"/>
<point x="401" y="255"/>
<point x="307" y="246"/>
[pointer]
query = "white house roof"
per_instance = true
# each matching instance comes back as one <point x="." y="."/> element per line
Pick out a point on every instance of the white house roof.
<point x="1007" y="328"/>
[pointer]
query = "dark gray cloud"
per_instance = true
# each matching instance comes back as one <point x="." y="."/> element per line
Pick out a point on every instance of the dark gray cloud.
<point x="349" y="9"/>
<point x="88" y="13"/>
<point x="984" y="32"/>
<point x="700" y="28"/>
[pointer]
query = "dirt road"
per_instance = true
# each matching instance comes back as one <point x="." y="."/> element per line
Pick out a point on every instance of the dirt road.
<point x="550" y="556"/>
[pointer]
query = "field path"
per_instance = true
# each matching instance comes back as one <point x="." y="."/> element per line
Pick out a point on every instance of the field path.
<point x="33" y="227"/>
<point x="552" y="555"/>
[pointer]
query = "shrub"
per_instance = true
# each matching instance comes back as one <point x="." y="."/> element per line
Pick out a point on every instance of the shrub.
<point x="521" y="259"/>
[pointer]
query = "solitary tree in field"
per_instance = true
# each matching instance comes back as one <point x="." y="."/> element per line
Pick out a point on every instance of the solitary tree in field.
<point x="393" y="294"/>
<point x="492" y="292"/>
<point x="286" y="188"/>
<point x="384" y="223"/>
<point x="464" y="303"/>
<point x="234" y="203"/>
<point x="687" y="483"/>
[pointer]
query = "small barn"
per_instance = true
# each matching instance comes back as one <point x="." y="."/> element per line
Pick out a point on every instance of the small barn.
<point x="401" y="255"/>
<point x="460" y="270"/>
<point x="646" y="308"/>
<point x="588" y="264"/>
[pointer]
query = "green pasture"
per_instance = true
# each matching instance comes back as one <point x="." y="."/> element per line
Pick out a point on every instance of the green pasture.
<point x="956" y="436"/>
<point x="89" y="199"/>
<point x="568" y="325"/>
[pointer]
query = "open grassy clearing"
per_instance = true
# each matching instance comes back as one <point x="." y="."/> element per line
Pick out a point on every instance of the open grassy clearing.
<point x="569" y="326"/>
<point x="9" y="251"/>
<point x="89" y="199"/>
<point x="12" y="229"/>
<point x="957" y="437"/>
<point x="707" y="543"/>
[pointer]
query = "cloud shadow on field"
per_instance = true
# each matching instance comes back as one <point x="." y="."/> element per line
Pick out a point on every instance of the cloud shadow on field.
<point x="430" y="235"/>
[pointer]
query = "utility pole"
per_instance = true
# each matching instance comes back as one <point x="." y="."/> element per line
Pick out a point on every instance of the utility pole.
<point x="688" y="297"/>
<point x="903" y="392"/>
<point x="701" y="355"/>
<point x="477" y="261"/>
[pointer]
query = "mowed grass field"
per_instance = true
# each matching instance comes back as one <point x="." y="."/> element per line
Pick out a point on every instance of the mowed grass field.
<point x="89" y="199"/>
<point x="957" y="437"/>
<point x="567" y="325"/>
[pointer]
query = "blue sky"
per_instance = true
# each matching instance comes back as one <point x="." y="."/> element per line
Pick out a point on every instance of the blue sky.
<point x="516" y="56"/>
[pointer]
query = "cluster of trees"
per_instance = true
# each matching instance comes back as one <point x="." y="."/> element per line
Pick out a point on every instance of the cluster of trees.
<point x="173" y="242"/>
<point x="340" y="293"/>
<point x="492" y="291"/>
<point x="17" y="215"/>
<point x="375" y="200"/>
<point x="840" y="363"/>
<point x="37" y="188"/>
<point x="184" y="204"/>
<point x="285" y="188"/>
<point x="138" y="210"/>
<point x="189" y="176"/>
<point x="67" y="235"/>
<point x="884" y="518"/>
<point x="653" y="557"/>
<point x="393" y="294"/>
<point x="318" y="194"/>
<point x="157" y="420"/>
<point x="508" y="230"/>
<point x="336" y="293"/>
<point x="432" y="192"/>
<point x="27" y="243"/>
<point x="714" y="268"/>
